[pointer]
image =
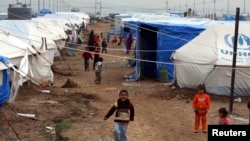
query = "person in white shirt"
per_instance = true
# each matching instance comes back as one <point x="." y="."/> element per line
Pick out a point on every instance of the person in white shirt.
<point x="98" y="70"/>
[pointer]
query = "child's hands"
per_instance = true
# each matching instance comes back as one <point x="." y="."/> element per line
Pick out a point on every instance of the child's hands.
<point x="195" y="110"/>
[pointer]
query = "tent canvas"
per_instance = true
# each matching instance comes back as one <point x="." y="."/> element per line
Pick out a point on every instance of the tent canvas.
<point x="13" y="48"/>
<point x="208" y="59"/>
<point x="77" y="15"/>
<point x="155" y="43"/>
<point x="51" y="31"/>
<point x="31" y="65"/>
<point x="26" y="31"/>
<point x="59" y="22"/>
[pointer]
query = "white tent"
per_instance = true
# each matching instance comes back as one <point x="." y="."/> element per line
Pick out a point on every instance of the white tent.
<point x="23" y="56"/>
<point x="208" y="59"/>
<point x="14" y="48"/>
<point x="26" y="31"/>
<point x="60" y="22"/>
<point x="73" y="20"/>
<point x="77" y="15"/>
<point x="51" y="31"/>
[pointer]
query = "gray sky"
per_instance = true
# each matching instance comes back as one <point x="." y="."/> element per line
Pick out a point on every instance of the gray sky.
<point x="124" y="6"/>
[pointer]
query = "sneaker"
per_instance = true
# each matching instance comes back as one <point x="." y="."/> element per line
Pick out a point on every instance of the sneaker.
<point x="205" y="131"/>
<point x="195" y="131"/>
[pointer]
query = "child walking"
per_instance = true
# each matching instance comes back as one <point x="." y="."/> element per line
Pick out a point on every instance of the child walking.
<point x="86" y="55"/>
<point x="224" y="118"/>
<point x="96" y="56"/>
<point x="201" y="105"/>
<point x="124" y="113"/>
<point x="98" y="70"/>
<point x="104" y="45"/>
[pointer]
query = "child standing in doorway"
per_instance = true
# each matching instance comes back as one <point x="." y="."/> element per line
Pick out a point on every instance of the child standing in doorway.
<point x="124" y="113"/>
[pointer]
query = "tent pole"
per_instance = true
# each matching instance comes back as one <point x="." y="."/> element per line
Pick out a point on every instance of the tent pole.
<point x="234" y="59"/>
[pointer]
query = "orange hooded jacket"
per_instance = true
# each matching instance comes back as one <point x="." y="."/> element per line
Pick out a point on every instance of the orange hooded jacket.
<point x="201" y="102"/>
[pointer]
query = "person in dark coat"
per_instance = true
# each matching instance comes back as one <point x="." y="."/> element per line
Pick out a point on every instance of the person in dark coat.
<point x="129" y="42"/>
<point x="91" y="45"/>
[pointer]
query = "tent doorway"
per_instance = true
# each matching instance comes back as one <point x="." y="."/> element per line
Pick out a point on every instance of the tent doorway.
<point x="147" y="48"/>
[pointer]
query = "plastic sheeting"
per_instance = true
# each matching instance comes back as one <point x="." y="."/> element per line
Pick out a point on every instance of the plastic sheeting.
<point x="4" y="87"/>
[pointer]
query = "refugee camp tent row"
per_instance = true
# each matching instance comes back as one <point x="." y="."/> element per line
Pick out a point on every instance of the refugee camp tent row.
<point x="74" y="18"/>
<point x="208" y="59"/>
<point x="18" y="53"/>
<point x="157" y="40"/>
<point x="31" y="48"/>
<point x="75" y="22"/>
<point x="32" y="53"/>
<point x="71" y="23"/>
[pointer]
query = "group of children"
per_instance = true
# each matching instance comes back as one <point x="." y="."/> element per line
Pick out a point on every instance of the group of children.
<point x="94" y="43"/>
<point x="97" y="63"/>
<point x="124" y="112"/>
<point x="94" y="48"/>
<point x="124" y="109"/>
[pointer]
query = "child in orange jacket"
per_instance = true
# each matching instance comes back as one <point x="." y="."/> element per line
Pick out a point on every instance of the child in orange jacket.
<point x="201" y="105"/>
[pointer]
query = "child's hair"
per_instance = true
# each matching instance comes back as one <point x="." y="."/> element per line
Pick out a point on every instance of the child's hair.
<point x="223" y="111"/>
<point x="201" y="87"/>
<point x="101" y="59"/>
<point x="123" y="91"/>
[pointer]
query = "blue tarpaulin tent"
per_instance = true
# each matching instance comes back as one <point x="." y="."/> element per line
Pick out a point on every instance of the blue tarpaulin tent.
<point x="155" y="43"/>
<point x="4" y="85"/>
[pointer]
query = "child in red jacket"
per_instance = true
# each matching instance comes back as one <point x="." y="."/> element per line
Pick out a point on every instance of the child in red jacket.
<point x="201" y="105"/>
<point x="86" y="55"/>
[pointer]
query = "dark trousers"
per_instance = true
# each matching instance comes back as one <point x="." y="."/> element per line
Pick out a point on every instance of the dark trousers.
<point x="104" y="49"/>
<point x="86" y="64"/>
<point x="98" y="77"/>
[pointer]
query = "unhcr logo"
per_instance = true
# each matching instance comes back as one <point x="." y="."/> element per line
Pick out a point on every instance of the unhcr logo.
<point x="243" y="49"/>
<point x="243" y="41"/>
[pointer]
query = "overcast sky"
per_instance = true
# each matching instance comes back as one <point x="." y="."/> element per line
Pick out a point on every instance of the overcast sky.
<point x="124" y="6"/>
